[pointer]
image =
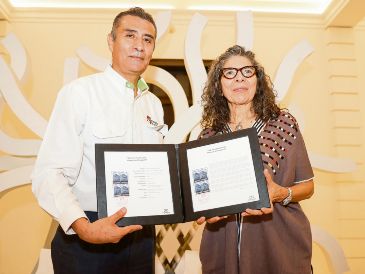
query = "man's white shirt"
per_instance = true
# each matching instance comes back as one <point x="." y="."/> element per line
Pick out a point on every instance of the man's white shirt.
<point x="100" y="108"/>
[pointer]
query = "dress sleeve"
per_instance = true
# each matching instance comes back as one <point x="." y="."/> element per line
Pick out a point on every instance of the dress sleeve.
<point x="303" y="168"/>
<point x="59" y="160"/>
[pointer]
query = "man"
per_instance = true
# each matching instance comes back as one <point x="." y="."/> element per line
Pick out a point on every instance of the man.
<point x="114" y="106"/>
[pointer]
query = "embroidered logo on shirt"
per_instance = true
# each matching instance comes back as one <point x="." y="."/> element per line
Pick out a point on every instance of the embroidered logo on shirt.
<point x="153" y="123"/>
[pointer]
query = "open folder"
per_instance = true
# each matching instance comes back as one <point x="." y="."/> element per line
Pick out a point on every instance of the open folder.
<point x="174" y="183"/>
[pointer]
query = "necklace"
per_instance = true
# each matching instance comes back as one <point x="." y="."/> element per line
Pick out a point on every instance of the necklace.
<point x="239" y="125"/>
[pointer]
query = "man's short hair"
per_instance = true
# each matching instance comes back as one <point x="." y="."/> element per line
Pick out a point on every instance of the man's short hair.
<point x="136" y="11"/>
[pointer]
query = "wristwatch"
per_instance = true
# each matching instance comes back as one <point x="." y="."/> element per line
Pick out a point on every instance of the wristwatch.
<point x="287" y="200"/>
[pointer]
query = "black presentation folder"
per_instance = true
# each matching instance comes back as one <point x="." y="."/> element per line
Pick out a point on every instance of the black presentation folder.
<point x="187" y="183"/>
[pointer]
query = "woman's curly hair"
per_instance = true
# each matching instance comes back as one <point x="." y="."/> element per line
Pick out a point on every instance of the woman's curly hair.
<point x="216" y="113"/>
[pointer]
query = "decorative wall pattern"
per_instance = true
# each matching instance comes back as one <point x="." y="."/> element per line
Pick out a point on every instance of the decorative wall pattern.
<point x="172" y="240"/>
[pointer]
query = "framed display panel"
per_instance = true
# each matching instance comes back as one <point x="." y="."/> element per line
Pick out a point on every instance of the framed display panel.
<point x="143" y="178"/>
<point x="231" y="168"/>
<point x="166" y="183"/>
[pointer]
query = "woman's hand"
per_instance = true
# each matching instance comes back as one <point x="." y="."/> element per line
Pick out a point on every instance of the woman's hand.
<point x="272" y="189"/>
<point x="212" y="220"/>
<point x="278" y="193"/>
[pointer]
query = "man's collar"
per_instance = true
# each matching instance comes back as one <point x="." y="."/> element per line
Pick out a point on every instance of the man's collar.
<point x="141" y="85"/>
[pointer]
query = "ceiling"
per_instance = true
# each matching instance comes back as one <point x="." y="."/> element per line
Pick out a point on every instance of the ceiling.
<point x="344" y="13"/>
<point x="286" y="6"/>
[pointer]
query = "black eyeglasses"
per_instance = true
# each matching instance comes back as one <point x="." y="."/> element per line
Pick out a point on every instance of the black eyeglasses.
<point x="246" y="71"/>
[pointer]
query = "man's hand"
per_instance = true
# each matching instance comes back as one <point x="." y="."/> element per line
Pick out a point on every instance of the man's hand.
<point x="104" y="230"/>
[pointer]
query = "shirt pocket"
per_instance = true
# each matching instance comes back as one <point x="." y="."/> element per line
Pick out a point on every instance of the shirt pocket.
<point x="107" y="130"/>
<point x="110" y="123"/>
<point x="106" y="127"/>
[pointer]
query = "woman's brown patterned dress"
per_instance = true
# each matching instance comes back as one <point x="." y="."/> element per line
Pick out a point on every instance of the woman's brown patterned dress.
<point x="278" y="243"/>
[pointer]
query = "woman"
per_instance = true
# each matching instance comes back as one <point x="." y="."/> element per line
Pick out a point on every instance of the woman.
<point x="239" y="95"/>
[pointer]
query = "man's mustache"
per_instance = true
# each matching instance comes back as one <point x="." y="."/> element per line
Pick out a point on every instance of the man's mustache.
<point x="137" y="54"/>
